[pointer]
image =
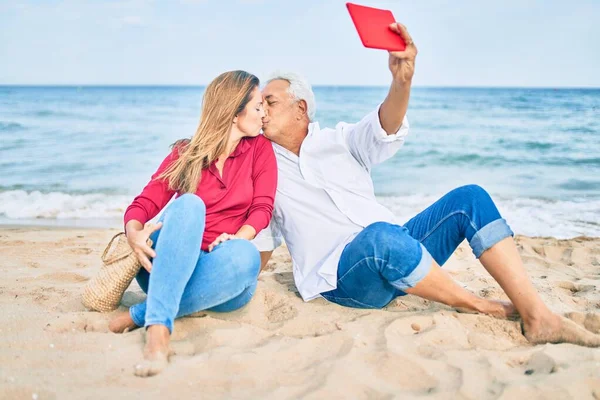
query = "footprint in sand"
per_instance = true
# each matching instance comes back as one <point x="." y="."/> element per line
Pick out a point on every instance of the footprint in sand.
<point x="64" y="277"/>
<point x="575" y="288"/>
<point x="485" y="332"/>
<point x="196" y="337"/>
<point x="405" y="372"/>
<point x="88" y="322"/>
<point x="287" y="280"/>
<point x="559" y="254"/>
<point x="590" y="321"/>
<point x="81" y="251"/>
<point x="440" y="331"/>
<point x="279" y="308"/>
<point x="539" y="250"/>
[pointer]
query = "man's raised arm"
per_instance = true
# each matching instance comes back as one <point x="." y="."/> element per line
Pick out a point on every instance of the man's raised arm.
<point x="402" y="67"/>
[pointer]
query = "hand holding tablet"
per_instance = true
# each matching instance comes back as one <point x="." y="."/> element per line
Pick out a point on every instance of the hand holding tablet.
<point x="373" y="27"/>
<point x="378" y="30"/>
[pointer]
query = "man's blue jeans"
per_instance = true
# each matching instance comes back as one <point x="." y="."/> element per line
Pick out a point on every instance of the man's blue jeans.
<point x="384" y="259"/>
<point x="184" y="278"/>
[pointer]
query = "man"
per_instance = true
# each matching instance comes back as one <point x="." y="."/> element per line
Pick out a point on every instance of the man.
<point x="349" y="249"/>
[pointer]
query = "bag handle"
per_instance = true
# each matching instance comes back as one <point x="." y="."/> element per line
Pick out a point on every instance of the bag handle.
<point x="118" y="257"/>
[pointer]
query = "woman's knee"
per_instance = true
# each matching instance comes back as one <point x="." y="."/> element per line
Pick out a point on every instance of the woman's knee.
<point x="191" y="203"/>
<point x="237" y="302"/>
<point x="244" y="255"/>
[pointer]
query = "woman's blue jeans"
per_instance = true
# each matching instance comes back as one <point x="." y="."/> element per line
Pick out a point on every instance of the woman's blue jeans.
<point x="184" y="278"/>
<point x="384" y="259"/>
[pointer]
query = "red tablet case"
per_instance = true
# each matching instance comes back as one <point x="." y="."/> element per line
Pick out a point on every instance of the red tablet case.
<point x="372" y="25"/>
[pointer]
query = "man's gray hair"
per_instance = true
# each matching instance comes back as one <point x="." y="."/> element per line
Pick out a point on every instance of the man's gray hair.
<point x="299" y="89"/>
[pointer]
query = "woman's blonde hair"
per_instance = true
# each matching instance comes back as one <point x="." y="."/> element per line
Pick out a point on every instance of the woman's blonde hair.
<point x="224" y="98"/>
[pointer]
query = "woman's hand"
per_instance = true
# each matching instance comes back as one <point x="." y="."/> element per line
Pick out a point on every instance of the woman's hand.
<point x="223" y="237"/>
<point x="137" y="239"/>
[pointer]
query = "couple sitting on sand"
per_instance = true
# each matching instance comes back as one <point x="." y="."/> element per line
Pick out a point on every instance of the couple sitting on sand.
<point x="345" y="246"/>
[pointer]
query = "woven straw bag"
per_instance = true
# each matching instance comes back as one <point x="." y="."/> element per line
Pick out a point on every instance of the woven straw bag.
<point x="120" y="265"/>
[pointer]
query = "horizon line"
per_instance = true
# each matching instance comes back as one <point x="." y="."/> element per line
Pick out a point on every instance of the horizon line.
<point x="151" y="85"/>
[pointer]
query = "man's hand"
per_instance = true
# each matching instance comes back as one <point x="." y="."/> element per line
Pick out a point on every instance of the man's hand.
<point x="402" y="63"/>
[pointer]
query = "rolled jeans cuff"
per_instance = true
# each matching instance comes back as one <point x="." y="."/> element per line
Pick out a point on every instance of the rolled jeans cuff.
<point x="167" y="323"/>
<point x="133" y="313"/>
<point x="417" y="274"/>
<point x="489" y="235"/>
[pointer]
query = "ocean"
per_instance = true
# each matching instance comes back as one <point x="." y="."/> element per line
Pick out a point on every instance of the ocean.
<point x="76" y="156"/>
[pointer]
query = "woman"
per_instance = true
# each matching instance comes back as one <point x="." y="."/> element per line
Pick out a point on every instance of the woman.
<point x="225" y="179"/>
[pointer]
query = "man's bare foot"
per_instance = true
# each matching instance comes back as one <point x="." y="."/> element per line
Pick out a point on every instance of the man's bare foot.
<point x="156" y="351"/>
<point x="499" y="309"/>
<point x="122" y="323"/>
<point x="495" y="308"/>
<point x="556" y="329"/>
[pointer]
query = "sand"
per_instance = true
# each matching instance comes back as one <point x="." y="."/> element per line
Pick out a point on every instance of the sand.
<point x="280" y="347"/>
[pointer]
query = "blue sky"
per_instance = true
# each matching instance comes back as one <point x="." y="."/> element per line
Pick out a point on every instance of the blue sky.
<point x="461" y="43"/>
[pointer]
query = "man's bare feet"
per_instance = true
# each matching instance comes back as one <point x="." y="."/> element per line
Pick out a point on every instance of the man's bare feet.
<point x="553" y="328"/>
<point x="122" y="323"/>
<point x="499" y="309"/>
<point x="494" y="308"/>
<point x="156" y="351"/>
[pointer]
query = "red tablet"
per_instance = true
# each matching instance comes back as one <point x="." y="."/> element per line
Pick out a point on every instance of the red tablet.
<point x="373" y="27"/>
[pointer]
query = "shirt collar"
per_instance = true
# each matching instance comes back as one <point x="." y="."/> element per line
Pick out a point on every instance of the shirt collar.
<point x="242" y="147"/>
<point x="313" y="128"/>
<point x="282" y="151"/>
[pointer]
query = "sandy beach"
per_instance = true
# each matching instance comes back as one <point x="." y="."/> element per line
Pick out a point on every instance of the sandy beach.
<point x="280" y="347"/>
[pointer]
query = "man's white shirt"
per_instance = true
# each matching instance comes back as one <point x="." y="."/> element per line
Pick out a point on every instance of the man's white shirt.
<point x="325" y="197"/>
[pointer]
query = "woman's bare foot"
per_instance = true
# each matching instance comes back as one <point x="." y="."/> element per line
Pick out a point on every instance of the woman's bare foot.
<point x="553" y="328"/>
<point x="156" y="351"/>
<point x="122" y="323"/>
<point x="495" y="308"/>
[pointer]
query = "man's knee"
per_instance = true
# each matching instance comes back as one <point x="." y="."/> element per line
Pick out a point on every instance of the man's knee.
<point x="384" y="233"/>
<point x="473" y="193"/>
<point x="393" y="243"/>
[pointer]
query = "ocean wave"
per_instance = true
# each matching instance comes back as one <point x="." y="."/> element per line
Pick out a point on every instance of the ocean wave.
<point x="7" y="126"/>
<point x="20" y="204"/>
<point x="478" y="160"/>
<point x="56" y="114"/>
<point x="593" y="161"/>
<point x="578" y="129"/>
<point x="474" y="159"/>
<point x="526" y="216"/>
<point x="580" y="185"/>
<point x="538" y="145"/>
